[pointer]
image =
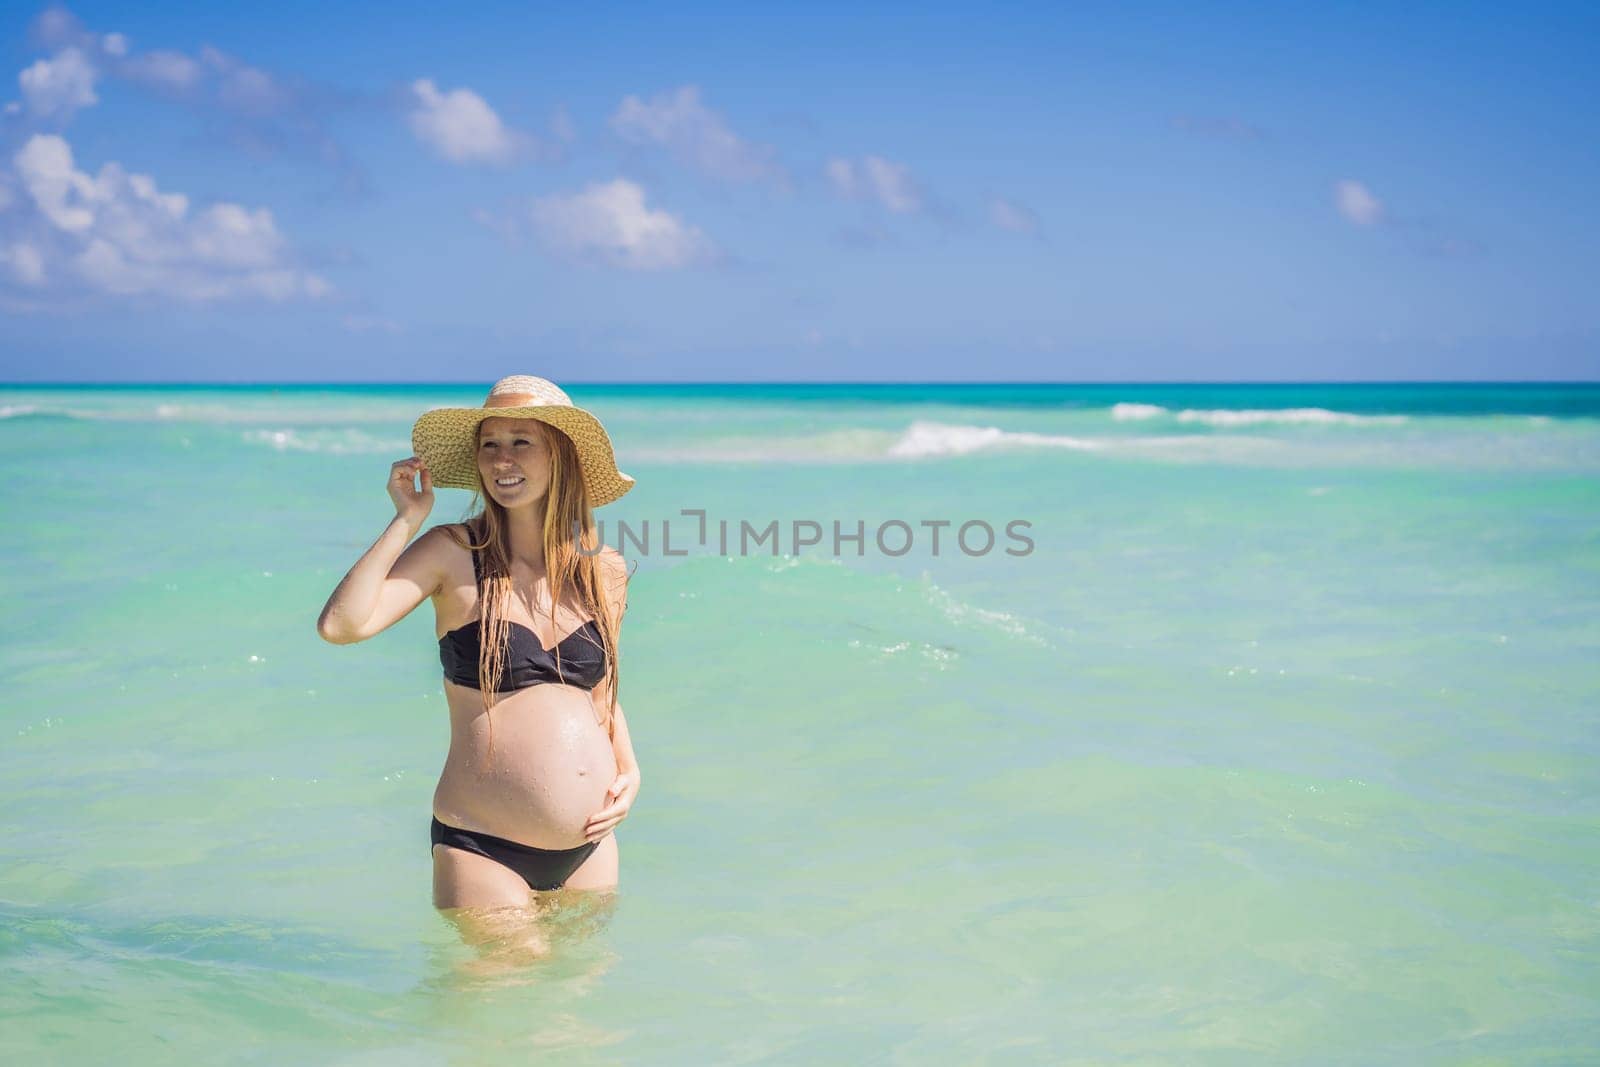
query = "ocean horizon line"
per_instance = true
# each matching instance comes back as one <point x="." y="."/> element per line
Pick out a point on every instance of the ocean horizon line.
<point x="816" y="383"/>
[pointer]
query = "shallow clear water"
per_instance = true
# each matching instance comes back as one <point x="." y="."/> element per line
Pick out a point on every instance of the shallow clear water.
<point x="1280" y="743"/>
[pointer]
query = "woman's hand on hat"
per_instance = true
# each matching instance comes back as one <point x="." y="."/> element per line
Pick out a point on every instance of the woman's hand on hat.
<point x="410" y="503"/>
<point x="624" y="787"/>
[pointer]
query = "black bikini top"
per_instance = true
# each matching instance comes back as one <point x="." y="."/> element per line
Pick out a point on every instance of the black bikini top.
<point x="527" y="662"/>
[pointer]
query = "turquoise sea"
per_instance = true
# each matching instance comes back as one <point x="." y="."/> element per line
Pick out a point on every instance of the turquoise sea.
<point x="1280" y="745"/>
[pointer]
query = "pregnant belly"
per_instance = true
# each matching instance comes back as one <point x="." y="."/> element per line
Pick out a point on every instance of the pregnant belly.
<point x="548" y="772"/>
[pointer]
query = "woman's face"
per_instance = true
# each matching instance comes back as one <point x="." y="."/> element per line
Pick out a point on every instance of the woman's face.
<point x="514" y="461"/>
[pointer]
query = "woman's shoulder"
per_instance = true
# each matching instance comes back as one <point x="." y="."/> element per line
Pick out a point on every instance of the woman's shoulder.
<point x="612" y="565"/>
<point x="458" y="533"/>
<point x="446" y="540"/>
<point x="614" y="569"/>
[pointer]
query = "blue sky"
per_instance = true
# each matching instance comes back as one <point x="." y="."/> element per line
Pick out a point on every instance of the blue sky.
<point x="736" y="192"/>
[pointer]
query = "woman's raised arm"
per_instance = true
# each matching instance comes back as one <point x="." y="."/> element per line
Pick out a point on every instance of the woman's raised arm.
<point x="390" y="579"/>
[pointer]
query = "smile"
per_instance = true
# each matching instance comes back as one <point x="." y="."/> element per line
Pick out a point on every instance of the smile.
<point x="507" y="483"/>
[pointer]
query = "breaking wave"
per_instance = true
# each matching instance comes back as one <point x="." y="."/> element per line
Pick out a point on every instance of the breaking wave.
<point x="1225" y="417"/>
<point x="330" y="442"/>
<point x="941" y="439"/>
<point x="252" y="412"/>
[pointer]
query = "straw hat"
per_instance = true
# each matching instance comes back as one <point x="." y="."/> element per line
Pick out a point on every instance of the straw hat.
<point x="447" y="438"/>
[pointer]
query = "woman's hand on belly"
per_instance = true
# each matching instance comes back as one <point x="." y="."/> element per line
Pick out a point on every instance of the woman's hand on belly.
<point x="619" y="798"/>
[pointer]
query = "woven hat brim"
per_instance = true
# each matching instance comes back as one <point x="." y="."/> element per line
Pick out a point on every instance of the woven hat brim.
<point x="447" y="441"/>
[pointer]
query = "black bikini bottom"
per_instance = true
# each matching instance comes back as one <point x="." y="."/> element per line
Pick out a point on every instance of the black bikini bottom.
<point x="540" y="868"/>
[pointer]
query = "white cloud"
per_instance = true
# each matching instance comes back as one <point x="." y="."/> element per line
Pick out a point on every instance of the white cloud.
<point x="1356" y="203"/>
<point x="55" y="26"/>
<point x="678" y="122"/>
<point x="878" y="179"/>
<point x="58" y="87"/>
<point x="172" y="71"/>
<point x="609" y="223"/>
<point x="27" y="265"/>
<point x="1010" y="215"/>
<point x="842" y="176"/>
<point x="262" y="113"/>
<point x="245" y="89"/>
<point x="459" y="125"/>
<point x="59" y="190"/>
<point x="118" y="233"/>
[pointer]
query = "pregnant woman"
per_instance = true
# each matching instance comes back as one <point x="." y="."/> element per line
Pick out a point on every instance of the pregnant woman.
<point x="527" y="608"/>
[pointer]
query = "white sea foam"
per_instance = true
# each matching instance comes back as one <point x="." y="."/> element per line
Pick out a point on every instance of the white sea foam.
<point x="36" y="411"/>
<point x="920" y="440"/>
<point x="345" y="442"/>
<point x="1251" y="416"/>
<point x="1286" y="415"/>
<point x="923" y="439"/>
<point x="964" y="614"/>
<point x="940" y="657"/>
<point x="257" y="413"/>
<point x="251" y="411"/>
<point x="837" y="446"/>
